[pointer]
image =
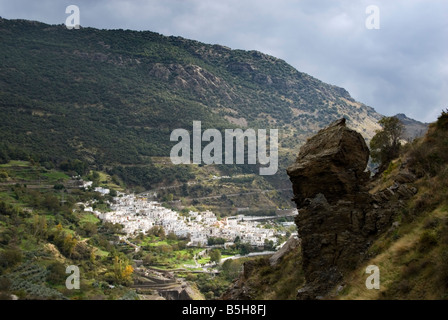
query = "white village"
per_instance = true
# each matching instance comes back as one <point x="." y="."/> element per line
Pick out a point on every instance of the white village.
<point x="138" y="215"/>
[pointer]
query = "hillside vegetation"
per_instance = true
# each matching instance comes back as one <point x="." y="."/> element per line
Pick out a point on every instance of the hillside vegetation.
<point x="102" y="104"/>
<point x="111" y="98"/>
<point x="43" y="230"/>
<point x="413" y="255"/>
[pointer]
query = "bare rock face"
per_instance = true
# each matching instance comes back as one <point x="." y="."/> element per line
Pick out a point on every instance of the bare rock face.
<point x="338" y="219"/>
<point x="292" y="243"/>
<point x="332" y="163"/>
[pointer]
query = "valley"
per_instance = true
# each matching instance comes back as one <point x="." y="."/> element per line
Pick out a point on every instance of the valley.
<point x="87" y="177"/>
<point x="184" y="249"/>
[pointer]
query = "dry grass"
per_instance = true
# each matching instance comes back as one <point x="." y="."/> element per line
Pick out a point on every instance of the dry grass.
<point x="411" y="267"/>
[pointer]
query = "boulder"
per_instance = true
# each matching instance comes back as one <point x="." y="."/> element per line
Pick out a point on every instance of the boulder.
<point x="338" y="218"/>
<point x="332" y="163"/>
<point x="290" y="245"/>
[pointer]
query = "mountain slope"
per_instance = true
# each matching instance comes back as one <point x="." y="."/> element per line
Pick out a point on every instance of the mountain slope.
<point x="413" y="254"/>
<point x="412" y="128"/>
<point x="94" y="92"/>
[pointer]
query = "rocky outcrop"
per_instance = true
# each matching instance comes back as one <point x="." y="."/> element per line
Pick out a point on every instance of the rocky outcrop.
<point x="338" y="219"/>
<point x="292" y="243"/>
<point x="182" y="292"/>
<point x="157" y="285"/>
<point x="340" y="216"/>
<point x="186" y="76"/>
<point x="244" y="288"/>
<point x="332" y="163"/>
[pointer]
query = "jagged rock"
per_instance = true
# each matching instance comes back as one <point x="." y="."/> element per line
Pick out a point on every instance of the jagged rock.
<point x="405" y="177"/>
<point x="292" y="243"/>
<point x="332" y="163"/>
<point x="334" y="238"/>
<point x="242" y="288"/>
<point x="396" y="191"/>
<point x="338" y="218"/>
<point x="153" y="285"/>
<point x="405" y="192"/>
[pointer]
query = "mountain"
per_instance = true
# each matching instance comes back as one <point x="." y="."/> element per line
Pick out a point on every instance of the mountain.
<point x="114" y="96"/>
<point x="108" y="100"/>
<point x="412" y="128"/>
<point x="103" y="103"/>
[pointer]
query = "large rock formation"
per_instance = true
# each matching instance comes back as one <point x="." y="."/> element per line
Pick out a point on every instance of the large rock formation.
<point x="292" y="243"/>
<point x="332" y="163"/>
<point x="338" y="218"/>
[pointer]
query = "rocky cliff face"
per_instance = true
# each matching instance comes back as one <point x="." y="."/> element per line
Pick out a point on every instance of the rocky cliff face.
<point x="341" y="213"/>
<point x="338" y="218"/>
<point x="332" y="163"/>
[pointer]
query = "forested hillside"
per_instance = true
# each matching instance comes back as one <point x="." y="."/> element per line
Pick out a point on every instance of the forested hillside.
<point x="111" y="98"/>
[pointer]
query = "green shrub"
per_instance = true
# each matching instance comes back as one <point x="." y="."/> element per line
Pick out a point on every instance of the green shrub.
<point x="411" y="269"/>
<point x="56" y="273"/>
<point x="427" y="240"/>
<point x="5" y="284"/>
<point x="10" y="257"/>
<point x="442" y="121"/>
<point x="58" y="186"/>
<point x="3" y="176"/>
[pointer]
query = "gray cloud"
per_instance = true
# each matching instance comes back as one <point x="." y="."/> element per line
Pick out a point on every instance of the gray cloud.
<point x="403" y="67"/>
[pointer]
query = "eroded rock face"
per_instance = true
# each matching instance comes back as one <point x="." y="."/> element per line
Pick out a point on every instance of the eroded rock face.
<point x="338" y="219"/>
<point x="332" y="163"/>
<point x="292" y="243"/>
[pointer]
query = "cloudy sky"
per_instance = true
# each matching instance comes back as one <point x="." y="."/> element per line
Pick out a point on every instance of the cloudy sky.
<point x="400" y="68"/>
